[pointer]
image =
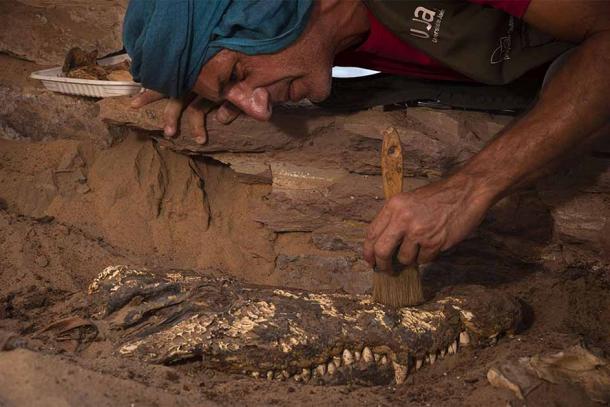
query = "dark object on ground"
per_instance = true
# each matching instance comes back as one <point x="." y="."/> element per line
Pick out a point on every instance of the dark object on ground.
<point x="369" y="91"/>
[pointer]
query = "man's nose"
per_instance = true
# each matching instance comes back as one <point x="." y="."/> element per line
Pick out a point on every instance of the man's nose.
<point x="255" y="102"/>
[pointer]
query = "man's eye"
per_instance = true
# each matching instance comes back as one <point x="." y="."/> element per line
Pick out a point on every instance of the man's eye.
<point x="225" y="82"/>
<point x="233" y="77"/>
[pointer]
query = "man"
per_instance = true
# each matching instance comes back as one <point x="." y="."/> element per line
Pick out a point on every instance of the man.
<point x="247" y="55"/>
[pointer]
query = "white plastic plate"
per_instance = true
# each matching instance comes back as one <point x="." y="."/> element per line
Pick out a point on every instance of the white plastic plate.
<point x="54" y="80"/>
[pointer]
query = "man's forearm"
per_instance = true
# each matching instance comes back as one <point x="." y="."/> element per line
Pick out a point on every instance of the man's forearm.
<point x="574" y="105"/>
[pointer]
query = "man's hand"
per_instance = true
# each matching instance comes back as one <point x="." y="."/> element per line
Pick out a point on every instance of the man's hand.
<point x="194" y="107"/>
<point x="417" y="225"/>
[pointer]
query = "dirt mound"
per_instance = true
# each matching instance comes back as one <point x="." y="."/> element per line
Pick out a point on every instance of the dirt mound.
<point x="48" y="380"/>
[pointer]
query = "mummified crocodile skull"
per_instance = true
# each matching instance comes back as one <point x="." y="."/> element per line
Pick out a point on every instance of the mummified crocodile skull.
<point x="164" y="317"/>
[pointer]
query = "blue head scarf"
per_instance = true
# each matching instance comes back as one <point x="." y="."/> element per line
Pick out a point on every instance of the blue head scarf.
<point x="170" y="40"/>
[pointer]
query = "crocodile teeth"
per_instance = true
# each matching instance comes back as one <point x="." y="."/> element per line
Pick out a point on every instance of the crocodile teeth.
<point x="256" y="375"/>
<point x="347" y="357"/>
<point x="337" y="361"/>
<point x="432" y="358"/>
<point x="442" y="353"/>
<point x="377" y="357"/>
<point x="331" y="368"/>
<point x="452" y="348"/>
<point x="357" y="356"/>
<point x="400" y="372"/>
<point x="306" y="374"/>
<point x="464" y="338"/>
<point x="367" y="355"/>
<point x="270" y="375"/>
<point x="285" y="374"/>
<point x="383" y="360"/>
<point x="418" y="363"/>
<point x="321" y="370"/>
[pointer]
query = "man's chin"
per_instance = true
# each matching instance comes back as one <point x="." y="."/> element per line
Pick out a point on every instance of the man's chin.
<point x="320" y="97"/>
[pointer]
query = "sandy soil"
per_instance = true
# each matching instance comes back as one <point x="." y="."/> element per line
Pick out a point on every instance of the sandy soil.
<point x="44" y="264"/>
<point x="70" y="207"/>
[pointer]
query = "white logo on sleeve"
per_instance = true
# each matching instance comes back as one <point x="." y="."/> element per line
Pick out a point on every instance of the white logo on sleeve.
<point x="502" y="51"/>
<point x="427" y="23"/>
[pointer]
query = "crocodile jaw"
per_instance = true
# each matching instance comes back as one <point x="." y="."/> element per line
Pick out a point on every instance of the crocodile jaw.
<point x="289" y="334"/>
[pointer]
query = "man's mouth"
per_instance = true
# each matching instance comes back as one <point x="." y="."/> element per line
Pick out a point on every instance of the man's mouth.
<point x="292" y="93"/>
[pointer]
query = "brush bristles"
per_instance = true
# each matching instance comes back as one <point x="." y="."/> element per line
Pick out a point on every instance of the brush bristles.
<point x="403" y="289"/>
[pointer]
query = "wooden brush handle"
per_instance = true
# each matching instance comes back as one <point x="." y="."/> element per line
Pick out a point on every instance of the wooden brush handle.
<point x="391" y="163"/>
<point x="403" y="287"/>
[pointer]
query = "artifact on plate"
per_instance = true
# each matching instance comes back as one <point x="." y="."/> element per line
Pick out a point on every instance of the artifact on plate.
<point x="80" y="64"/>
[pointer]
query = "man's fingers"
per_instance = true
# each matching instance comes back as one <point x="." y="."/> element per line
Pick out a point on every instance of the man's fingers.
<point x="374" y="231"/>
<point x="407" y="254"/>
<point x="171" y="117"/>
<point x="385" y="248"/>
<point x="144" y="98"/>
<point x="195" y="108"/>
<point x="227" y="112"/>
<point x="196" y="115"/>
<point x="196" y="119"/>
<point x="427" y="254"/>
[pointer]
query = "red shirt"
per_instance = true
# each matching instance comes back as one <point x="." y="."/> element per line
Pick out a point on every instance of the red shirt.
<point x="384" y="51"/>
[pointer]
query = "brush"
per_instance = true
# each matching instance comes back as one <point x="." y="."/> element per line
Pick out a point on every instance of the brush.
<point x="403" y="287"/>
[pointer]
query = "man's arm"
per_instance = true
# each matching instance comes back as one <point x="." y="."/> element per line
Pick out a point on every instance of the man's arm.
<point x="573" y="106"/>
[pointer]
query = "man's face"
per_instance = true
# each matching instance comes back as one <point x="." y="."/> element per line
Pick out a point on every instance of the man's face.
<point x="254" y="83"/>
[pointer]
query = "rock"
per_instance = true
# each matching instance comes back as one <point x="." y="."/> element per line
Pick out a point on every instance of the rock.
<point x="250" y="168"/>
<point x="347" y="273"/>
<point x="288" y="129"/>
<point x="349" y="141"/>
<point x="11" y="341"/>
<point x="43" y="31"/>
<point x="34" y="113"/>
<point x="513" y="377"/>
<point x="579" y="200"/>
<point x="576" y="365"/>
<point x="347" y="235"/>
<point x="582" y="218"/>
<point x="41" y="260"/>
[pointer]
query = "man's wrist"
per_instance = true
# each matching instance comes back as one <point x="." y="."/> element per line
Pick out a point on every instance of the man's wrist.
<point x="478" y="186"/>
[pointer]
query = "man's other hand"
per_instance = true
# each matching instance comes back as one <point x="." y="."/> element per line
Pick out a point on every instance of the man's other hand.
<point x="416" y="226"/>
<point x="195" y="108"/>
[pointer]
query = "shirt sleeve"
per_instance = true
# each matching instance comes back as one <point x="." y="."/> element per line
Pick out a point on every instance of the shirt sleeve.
<point x="515" y="8"/>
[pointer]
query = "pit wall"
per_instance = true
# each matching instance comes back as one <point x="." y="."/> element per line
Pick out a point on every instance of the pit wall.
<point x="284" y="203"/>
